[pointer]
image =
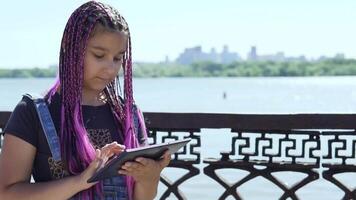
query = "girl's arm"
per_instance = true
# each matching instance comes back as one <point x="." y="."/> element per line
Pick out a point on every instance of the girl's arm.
<point x="16" y="160"/>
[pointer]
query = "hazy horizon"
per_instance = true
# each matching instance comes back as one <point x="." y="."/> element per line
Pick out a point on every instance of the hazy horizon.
<point x="32" y="30"/>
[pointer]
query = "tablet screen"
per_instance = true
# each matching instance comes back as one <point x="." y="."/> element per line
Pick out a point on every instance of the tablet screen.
<point x="154" y="152"/>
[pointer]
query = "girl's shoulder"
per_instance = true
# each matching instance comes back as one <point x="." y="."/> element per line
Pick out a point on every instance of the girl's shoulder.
<point x="23" y="121"/>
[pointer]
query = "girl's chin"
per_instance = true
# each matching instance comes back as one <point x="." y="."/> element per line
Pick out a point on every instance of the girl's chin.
<point x="95" y="89"/>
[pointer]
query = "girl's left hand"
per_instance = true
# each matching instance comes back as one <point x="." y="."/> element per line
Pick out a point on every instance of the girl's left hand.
<point x="145" y="170"/>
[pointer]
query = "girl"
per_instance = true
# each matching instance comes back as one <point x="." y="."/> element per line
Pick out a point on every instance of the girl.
<point x="92" y="121"/>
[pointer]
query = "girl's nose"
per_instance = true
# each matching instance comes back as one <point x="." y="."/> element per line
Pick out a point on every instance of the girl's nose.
<point x="110" y="64"/>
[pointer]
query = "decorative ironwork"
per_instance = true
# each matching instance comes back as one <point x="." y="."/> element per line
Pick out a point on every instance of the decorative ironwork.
<point x="282" y="147"/>
<point x="180" y="159"/>
<point x="260" y="145"/>
<point x="278" y="151"/>
<point x="159" y="136"/>
<point x="340" y="158"/>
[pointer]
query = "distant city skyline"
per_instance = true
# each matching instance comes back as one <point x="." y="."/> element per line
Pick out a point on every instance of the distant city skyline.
<point x="225" y="56"/>
<point x="31" y="31"/>
<point x="196" y="54"/>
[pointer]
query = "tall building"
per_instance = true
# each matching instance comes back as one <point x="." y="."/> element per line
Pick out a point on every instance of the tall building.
<point x="213" y="55"/>
<point x="191" y="55"/>
<point x="252" y="55"/>
<point x="195" y="54"/>
<point x="227" y="57"/>
<point x="277" y="57"/>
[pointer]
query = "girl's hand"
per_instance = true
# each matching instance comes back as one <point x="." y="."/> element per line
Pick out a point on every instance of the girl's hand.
<point x="101" y="157"/>
<point x="145" y="170"/>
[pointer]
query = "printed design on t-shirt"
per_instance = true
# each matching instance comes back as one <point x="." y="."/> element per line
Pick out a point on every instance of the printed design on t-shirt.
<point x="99" y="137"/>
<point x="56" y="168"/>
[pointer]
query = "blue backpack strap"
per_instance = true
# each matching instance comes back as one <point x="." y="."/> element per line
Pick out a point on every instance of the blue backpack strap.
<point x="47" y="125"/>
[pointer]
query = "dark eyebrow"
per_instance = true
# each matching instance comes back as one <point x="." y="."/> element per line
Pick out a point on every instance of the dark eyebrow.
<point x="104" y="49"/>
<point x="99" y="48"/>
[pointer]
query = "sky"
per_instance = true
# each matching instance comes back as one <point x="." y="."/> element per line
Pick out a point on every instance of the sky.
<point x="31" y="31"/>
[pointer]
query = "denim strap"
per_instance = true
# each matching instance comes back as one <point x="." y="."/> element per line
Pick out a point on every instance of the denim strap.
<point x="47" y="126"/>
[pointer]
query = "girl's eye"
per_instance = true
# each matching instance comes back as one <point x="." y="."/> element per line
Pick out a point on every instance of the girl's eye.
<point x="118" y="59"/>
<point x="98" y="56"/>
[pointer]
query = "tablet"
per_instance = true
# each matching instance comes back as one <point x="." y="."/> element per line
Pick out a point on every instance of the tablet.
<point x="153" y="152"/>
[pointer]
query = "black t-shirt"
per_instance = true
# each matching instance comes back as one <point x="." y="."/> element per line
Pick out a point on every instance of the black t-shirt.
<point x="24" y="123"/>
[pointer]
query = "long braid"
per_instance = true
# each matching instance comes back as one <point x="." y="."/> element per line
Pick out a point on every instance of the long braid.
<point x="131" y="140"/>
<point x="77" y="151"/>
<point x="75" y="144"/>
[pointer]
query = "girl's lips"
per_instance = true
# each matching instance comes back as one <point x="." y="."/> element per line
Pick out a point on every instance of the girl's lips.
<point x="103" y="79"/>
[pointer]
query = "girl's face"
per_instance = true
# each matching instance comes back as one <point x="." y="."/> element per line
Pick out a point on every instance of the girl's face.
<point x="103" y="59"/>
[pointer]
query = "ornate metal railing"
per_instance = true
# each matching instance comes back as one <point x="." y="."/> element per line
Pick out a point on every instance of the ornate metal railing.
<point x="261" y="145"/>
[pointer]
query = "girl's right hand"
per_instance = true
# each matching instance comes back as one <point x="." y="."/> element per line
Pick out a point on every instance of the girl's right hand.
<point x="101" y="157"/>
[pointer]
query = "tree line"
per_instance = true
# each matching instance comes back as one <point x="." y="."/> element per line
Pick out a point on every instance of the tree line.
<point x="341" y="67"/>
<point x="332" y="67"/>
